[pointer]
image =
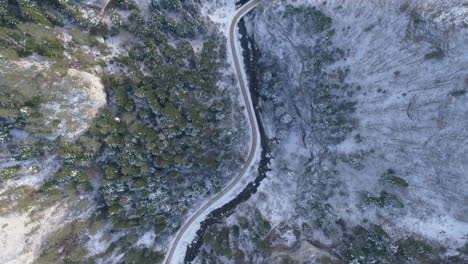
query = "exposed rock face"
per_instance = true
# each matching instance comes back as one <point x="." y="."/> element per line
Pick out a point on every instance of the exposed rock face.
<point x="22" y="234"/>
<point x="81" y="95"/>
<point x="366" y="104"/>
<point x="43" y="96"/>
<point x="97" y="4"/>
<point x="305" y="253"/>
<point x="71" y="98"/>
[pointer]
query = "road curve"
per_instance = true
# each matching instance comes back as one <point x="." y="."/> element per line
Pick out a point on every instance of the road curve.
<point x="253" y="125"/>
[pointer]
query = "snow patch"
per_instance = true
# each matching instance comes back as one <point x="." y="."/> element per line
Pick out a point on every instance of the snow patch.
<point x="21" y="237"/>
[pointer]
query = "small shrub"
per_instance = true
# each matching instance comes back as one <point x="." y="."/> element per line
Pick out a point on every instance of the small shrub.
<point x="385" y="199"/>
<point x="10" y="172"/>
<point x="438" y="54"/>
<point x="397" y="181"/>
<point x="457" y="93"/>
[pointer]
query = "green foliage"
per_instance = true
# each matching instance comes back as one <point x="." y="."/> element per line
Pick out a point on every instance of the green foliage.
<point x="437" y="54"/>
<point x="65" y="245"/>
<point x="311" y="19"/>
<point x="31" y="38"/>
<point x="161" y="123"/>
<point x="33" y="11"/>
<point x="9" y="37"/>
<point x="29" y="151"/>
<point x="80" y="153"/>
<point x="188" y="22"/>
<point x="172" y="5"/>
<point x="390" y="177"/>
<point x="371" y="244"/>
<point x="160" y="128"/>
<point x="115" y="208"/>
<point x="263" y="226"/>
<point x="235" y="231"/>
<point x="208" y="237"/>
<point x="34" y="169"/>
<point x="412" y="246"/>
<point x="457" y="93"/>
<point x="120" y="86"/>
<point x="464" y="249"/>
<point x="137" y="256"/>
<point x="37" y="11"/>
<point x="368" y="244"/>
<point x="224" y="240"/>
<point x="161" y="223"/>
<point x="385" y="199"/>
<point x="8" y="13"/>
<point x="67" y="173"/>
<point x="221" y="243"/>
<point x="50" y="47"/>
<point x="138" y="183"/>
<point x="18" y="108"/>
<point x="10" y="172"/>
<point x="4" y="134"/>
<point x="99" y="29"/>
<point x="126" y="4"/>
<point x="121" y="223"/>
<point x="50" y="187"/>
<point x="397" y="181"/>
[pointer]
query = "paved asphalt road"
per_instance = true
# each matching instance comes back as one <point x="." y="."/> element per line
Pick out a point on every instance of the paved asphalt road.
<point x="253" y="124"/>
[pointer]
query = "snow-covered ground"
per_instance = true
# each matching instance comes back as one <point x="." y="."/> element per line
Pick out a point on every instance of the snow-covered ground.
<point x="21" y="235"/>
<point x="403" y="66"/>
<point x="404" y="108"/>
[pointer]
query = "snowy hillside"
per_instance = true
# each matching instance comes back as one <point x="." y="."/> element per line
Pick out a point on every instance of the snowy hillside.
<point x="365" y="105"/>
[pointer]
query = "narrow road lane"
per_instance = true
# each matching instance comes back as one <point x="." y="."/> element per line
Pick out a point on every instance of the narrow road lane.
<point x="254" y="131"/>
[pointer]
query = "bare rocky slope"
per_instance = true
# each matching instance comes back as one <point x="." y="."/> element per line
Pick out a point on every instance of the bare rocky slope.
<point x="365" y="107"/>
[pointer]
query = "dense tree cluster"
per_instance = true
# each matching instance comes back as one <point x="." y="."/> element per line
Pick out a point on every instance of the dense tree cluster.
<point x="159" y="144"/>
<point x="187" y="13"/>
<point x="227" y="242"/>
<point x="48" y="12"/>
<point x="162" y="141"/>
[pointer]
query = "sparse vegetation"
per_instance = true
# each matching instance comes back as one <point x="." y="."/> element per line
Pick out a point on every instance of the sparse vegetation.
<point x="437" y="54"/>
<point x="311" y="19"/>
<point x="67" y="244"/>
<point x="225" y="240"/>
<point x="10" y="172"/>
<point x="390" y="177"/>
<point x="385" y="199"/>
<point x="457" y="93"/>
<point x="366" y="244"/>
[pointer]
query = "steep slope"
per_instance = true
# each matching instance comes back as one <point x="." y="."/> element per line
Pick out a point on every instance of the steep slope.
<point x="365" y="105"/>
<point x="117" y="119"/>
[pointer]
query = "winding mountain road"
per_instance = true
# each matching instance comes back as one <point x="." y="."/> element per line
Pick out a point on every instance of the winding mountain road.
<point x="254" y="131"/>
